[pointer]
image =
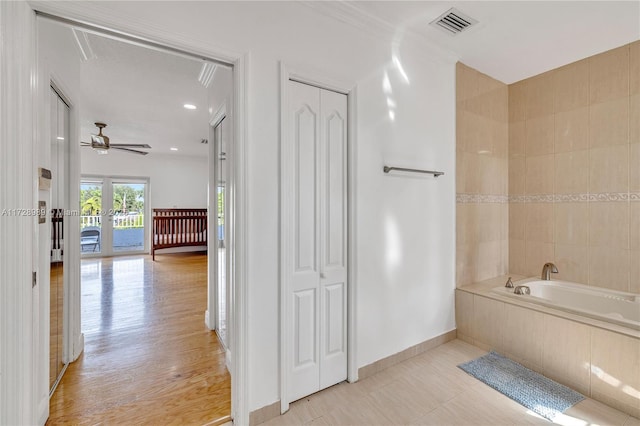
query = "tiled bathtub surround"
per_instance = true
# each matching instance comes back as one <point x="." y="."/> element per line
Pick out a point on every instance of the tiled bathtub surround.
<point x="572" y="198"/>
<point x="574" y="156"/>
<point x="597" y="362"/>
<point x="481" y="176"/>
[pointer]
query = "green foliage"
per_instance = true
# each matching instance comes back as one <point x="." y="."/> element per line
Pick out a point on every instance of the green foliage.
<point x="127" y="199"/>
<point x="220" y="206"/>
<point x="90" y="200"/>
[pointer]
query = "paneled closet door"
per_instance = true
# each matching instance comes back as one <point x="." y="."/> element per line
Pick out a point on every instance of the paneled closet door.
<point x="317" y="239"/>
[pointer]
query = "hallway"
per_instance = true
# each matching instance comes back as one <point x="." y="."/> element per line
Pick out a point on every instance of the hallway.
<point x="148" y="357"/>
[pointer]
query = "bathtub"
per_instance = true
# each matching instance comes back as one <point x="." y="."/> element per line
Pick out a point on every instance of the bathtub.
<point x="607" y="305"/>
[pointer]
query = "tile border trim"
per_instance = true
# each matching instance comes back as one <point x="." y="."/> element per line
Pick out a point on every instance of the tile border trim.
<point x="576" y="198"/>
<point x="462" y="198"/>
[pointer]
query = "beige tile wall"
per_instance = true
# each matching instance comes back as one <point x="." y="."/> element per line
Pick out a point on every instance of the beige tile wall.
<point x="481" y="176"/>
<point x="574" y="171"/>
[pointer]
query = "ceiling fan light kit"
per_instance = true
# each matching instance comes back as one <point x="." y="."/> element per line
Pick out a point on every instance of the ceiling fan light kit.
<point x="100" y="143"/>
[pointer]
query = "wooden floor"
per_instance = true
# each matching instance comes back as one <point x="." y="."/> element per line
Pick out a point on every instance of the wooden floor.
<point x="148" y="357"/>
<point x="56" y="300"/>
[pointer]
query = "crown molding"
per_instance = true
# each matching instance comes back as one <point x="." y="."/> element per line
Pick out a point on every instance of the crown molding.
<point x="350" y="13"/>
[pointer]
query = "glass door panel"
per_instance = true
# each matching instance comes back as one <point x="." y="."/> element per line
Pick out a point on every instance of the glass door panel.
<point x="91" y="213"/>
<point x="128" y="217"/>
<point x="113" y="216"/>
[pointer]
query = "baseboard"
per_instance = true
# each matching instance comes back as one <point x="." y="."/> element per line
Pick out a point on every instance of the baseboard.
<point x="207" y="318"/>
<point x="264" y="414"/>
<point x="384" y="363"/>
<point x="227" y="359"/>
<point x="78" y="347"/>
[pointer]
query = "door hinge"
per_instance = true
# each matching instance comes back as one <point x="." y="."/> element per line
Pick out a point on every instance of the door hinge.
<point x="34" y="279"/>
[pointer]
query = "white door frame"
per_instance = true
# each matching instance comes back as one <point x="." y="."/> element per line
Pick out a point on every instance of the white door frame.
<point x="312" y="78"/>
<point x="133" y="30"/>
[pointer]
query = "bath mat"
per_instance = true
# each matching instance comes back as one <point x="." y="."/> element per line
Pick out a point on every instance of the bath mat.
<point x="536" y="392"/>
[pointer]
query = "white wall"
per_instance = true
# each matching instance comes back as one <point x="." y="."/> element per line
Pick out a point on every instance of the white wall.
<point x="174" y="181"/>
<point x="405" y="225"/>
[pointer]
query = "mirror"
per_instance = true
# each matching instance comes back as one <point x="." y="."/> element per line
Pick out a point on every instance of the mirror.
<point x="221" y="135"/>
<point x="59" y="183"/>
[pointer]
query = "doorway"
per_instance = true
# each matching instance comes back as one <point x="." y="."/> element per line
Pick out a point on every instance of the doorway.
<point x="235" y="219"/>
<point x="113" y="216"/>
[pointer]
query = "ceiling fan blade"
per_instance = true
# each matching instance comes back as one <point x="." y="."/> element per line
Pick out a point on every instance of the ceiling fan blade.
<point x="85" y="144"/>
<point x="130" y="145"/>
<point x="129" y="150"/>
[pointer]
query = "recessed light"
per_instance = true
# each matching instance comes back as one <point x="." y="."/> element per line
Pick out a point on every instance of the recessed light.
<point x="60" y="138"/>
<point x="173" y="149"/>
<point x="190" y="106"/>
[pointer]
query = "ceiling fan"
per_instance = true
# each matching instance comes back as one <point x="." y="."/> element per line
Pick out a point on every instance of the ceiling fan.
<point x="101" y="144"/>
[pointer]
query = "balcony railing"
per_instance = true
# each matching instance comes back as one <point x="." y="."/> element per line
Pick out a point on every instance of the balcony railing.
<point x="119" y="221"/>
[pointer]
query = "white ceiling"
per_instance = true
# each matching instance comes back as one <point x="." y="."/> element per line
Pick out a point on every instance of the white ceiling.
<point x="140" y="92"/>
<point x="515" y="40"/>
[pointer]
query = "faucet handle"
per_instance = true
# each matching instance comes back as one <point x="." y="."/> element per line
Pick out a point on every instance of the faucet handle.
<point x="509" y="283"/>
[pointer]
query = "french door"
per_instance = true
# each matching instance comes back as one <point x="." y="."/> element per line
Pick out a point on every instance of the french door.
<point x="315" y="239"/>
<point x="114" y="216"/>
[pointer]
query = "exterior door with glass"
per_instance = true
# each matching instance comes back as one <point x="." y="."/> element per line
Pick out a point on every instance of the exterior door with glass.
<point x="113" y="213"/>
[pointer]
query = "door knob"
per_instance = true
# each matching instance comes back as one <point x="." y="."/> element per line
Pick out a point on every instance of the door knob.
<point x="322" y="275"/>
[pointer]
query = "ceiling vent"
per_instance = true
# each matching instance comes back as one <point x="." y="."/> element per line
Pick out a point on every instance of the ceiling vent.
<point x="453" y="22"/>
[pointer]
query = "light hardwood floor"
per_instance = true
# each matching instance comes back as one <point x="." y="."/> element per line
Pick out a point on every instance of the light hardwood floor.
<point x="148" y="358"/>
<point x="429" y="389"/>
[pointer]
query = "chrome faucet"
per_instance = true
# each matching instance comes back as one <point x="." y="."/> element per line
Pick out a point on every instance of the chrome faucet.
<point x="509" y="283"/>
<point x="547" y="270"/>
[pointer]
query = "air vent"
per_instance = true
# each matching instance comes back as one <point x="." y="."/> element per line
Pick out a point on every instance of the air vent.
<point x="453" y="22"/>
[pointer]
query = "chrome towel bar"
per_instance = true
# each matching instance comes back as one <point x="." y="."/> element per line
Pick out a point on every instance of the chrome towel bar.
<point x="387" y="169"/>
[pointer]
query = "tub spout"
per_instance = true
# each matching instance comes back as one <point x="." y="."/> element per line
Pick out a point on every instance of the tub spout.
<point x="547" y="270"/>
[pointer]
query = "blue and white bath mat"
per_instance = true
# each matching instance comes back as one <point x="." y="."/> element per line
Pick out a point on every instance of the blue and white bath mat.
<point x="536" y="392"/>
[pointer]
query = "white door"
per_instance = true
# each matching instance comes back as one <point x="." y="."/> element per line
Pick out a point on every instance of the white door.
<point x="317" y="239"/>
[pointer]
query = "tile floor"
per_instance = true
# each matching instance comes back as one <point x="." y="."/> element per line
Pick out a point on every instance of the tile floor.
<point x="430" y="390"/>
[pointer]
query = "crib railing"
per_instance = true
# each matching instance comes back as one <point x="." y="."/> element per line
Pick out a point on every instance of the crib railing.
<point x="178" y="228"/>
